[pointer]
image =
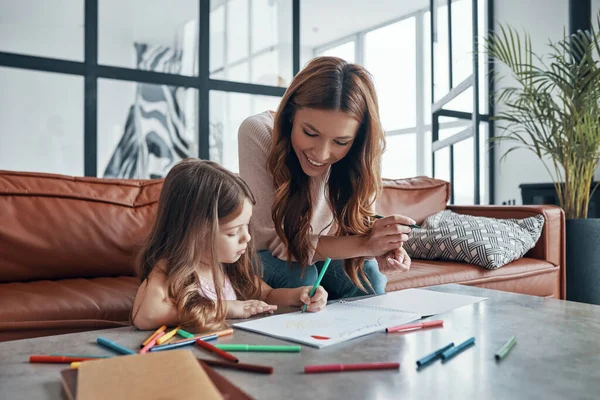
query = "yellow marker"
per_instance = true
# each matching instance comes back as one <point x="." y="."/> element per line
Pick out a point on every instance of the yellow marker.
<point x="167" y="336"/>
<point x="151" y="338"/>
<point x="75" y="364"/>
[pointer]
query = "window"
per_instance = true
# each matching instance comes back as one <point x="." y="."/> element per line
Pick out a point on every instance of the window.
<point x="41" y="122"/>
<point x="390" y="56"/>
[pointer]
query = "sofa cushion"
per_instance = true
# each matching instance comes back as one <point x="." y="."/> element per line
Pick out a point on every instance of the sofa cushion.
<point x="416" y="198"/>
<point x="57" y="227"/>
<point x="487" y="242"/>
<point x="525" y="275"/>
<point x="65" y="305"/>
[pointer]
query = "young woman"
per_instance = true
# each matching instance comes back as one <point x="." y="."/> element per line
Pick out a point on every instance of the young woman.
<point x="315" y="169"/>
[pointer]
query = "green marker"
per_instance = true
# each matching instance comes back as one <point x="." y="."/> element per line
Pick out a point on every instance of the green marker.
<point x="504" y="350"/>
<point x="318" y="282"/>
<point x="256" y="347"/>
<point x="184" y="334"/>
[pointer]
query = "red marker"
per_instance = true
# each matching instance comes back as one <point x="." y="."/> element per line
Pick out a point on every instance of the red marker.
<point x="217" y="351"/>
<point x="311" y="369"/>
<point x="420" y="325"/>
<point x="38" y="358"/>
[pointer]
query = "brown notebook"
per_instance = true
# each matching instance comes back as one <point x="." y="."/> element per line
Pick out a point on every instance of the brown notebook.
<point x="224" y="387"/>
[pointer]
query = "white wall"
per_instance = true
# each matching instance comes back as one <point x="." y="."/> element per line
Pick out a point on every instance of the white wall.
<point x="544" y="20"/>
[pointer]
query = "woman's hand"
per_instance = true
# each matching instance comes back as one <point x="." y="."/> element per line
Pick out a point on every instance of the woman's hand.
<point x="388" y="234"/>
<point x="395" y="259"/>
<point x="315" y="303"/>
<point x="248" y="308"/>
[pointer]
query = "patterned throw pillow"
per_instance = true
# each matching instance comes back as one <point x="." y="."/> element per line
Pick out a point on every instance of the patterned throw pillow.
<point x="487" y="242"/>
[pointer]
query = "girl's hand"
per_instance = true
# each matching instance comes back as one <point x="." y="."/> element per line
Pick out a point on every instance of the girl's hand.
<point x="395" y="259"/>
<point x="248" y="308"/>
<point x="317" y="302"/>
<point x="388" y="234"/>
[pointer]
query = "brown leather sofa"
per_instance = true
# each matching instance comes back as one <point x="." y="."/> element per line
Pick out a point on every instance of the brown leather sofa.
<point x="67" y="247"/>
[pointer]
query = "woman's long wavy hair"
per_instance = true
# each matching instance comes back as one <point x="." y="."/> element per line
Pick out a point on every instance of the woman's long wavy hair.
<point x="195" y="196"/>
<point x="328" y="83"/>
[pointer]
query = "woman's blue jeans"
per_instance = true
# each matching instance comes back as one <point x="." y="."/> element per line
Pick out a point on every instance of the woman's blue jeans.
<point x="280" y="274"/>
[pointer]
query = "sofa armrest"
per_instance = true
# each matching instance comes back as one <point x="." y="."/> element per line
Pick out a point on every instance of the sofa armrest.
<point x="551" y="245"/>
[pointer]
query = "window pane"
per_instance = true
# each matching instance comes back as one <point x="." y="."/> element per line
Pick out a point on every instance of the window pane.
<point x="237" y="37"/>
<point x="462" y="40"/>
<point x="464" y="172"/>
<point x="442" y="164"/>
<point x="427" y="66"/>
<point x="217" y="41"/>
<point x="400" y="157"/>
<point x="344" y="51"/>
<point x="440" y="48"/>
<point x="392" y="63"/>
<point x="227" y="112"/>
<point x="462" y="102"/>
<point x="41" y="122"/>
<point x="144" y="129"/>
<point x="258" y="40"/>
<point x="50" y="28"/>
<point x="149" y="35"/>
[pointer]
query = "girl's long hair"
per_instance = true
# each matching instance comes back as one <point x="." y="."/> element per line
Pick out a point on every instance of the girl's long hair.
<point x="195" y="196"/>
<point x="328" y="83"/>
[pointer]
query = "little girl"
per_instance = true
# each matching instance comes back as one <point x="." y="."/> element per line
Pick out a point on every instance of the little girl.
<point x="196" y="265"/>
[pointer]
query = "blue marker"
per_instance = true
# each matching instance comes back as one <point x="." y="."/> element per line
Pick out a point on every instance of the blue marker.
<point x="183" y="343"/>
<point x="433" y="356"/>
<point x="113" y="346"/>
<point x="448" y="354"/>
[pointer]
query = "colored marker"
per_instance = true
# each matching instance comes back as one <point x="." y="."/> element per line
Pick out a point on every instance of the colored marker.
<point x="167" y="336"/>
<point x="152" y="343"/>
<point x="450" y="353"/>
<point x="79" y="356"/>
<point x="153" y="336"/>
<point x="217" y="351"/>
<point x="113" y="346"/>
<point x="184" y="334"/>
<point x="262" y="348"/>
<point x="75" y="364"/>
<point x="420" y="325"/>
<point x="504" y="350"/>
<point x="311" y="369"/>
<point x="187" y="342"/>
<point x="194" y="338"/>
<point x="39" y="358"/>
<point x="433" y="356"/>
<point x="318" y="282"/>
<point x="261" y="369"/>
<point x="414" y="226"/>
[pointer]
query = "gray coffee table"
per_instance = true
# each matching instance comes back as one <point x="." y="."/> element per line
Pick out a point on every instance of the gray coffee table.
<point x="557" y="356"/>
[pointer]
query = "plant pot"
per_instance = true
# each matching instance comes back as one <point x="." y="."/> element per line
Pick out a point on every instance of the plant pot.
<point x="583" y="260"/>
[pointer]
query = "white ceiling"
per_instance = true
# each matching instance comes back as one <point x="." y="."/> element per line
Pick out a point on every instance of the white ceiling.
<point x="323" y="21"/>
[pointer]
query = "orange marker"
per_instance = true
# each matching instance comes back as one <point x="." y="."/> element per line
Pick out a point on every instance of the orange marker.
<point x="153" y="336"/>
<point x="166" y="336"/>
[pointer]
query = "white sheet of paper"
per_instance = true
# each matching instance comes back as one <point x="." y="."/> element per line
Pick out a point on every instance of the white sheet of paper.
<point x="420" y="301"/>
<point x="338" y="322"/>
<point x="348" y="320"/>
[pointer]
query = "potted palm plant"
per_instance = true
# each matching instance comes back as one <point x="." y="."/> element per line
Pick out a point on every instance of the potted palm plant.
<point x="551" y="107"/>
